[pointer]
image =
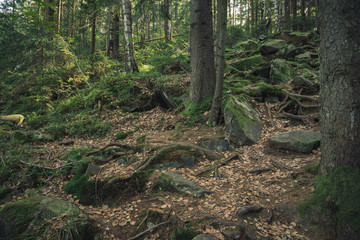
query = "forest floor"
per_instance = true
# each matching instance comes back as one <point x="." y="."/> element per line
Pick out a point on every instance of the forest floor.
<point x="235" y="185"/>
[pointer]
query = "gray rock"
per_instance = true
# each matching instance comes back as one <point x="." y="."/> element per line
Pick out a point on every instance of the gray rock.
<point x="304" y="57"/>
<point x="232" y="234"/>
<point x="205" y="237"/>
<point x="242" y="122"/>
<point x="188" y="161"/>
<point x="300" y="81"/>
<point x="92" y="169"/>
<point x="281" y="71"/>
<point x="247" y="209"/>
<point x="177" y="182"/>
<point x="217" y="143"/>
<point x="298" y="141"/>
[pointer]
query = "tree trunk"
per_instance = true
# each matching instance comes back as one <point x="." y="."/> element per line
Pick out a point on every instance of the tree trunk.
<point x="294" y="13"/>
<point x="303" y="16"/>
<point x="256" y="12"/>
<point x="116" y="35"/>
<point x="252" y="13"/>
<point x="167" y="22"/>
<point x="276" y="15"/>
<point x="287" y="14"/>
<point x="59" y="15"/>
<point x="215" y="115"/>
<point x="340" y="84"/>
<point x="309" y="12"/>
<point x="143" y="20"/>
<point x="148" y="24"/>
<point x="130" y="63"/>
<point x="73" y="19"/>
<point x="202" y="83"/>
<point x="93" y="32"/>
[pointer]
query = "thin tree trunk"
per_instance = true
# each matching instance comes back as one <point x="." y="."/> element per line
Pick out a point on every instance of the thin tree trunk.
<point x="116" y="34"/>
<point x="167" y="22"/>
<point x="294" y="13"/>
<point x="148" y="24"/>
<point x="252" y="13"/>
<point x="215" y="115"/>
<point x="130" y="63"/>
<point x="276" y="15"/>
<point x="203" y="79"/>
<point x="73" y="19"/>
<point x="309" y="12"/>
<point x="59" y="15"/>
<point x="93" y="32"/>
<point x="303" y="16"/>
<point x="143" y="20"/>
<point x="256" y="12"/>
<point x="287" y="14"/>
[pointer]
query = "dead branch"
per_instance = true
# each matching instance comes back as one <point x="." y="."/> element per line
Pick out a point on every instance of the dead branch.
<point x="310" y="98"/>
<point x="107" y="146"/>
<point x="149" y="230"/>
<point x="278" y="165"/>
<point x="44" y="167"/>
<point x="270" y="116"/>
<point x="218" y="164"/>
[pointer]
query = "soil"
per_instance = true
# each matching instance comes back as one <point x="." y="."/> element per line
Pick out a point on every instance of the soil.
<point x="234" y="186"/>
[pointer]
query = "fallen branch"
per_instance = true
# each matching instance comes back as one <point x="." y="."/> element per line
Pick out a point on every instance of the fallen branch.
<point x="218" y="164"/>
<point x="149" y="230"/>
<point x="310" y="98"/>
<point x="107" y="146"/>
<point x="44" y="167"/>
<point x="270" y="116"/>
<point x="278" y="165"/>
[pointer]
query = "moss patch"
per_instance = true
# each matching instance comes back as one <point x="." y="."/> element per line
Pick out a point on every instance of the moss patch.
<point x="196" y="108"/>
<point x="248" y="63"/>
<point x="337" y="194"/>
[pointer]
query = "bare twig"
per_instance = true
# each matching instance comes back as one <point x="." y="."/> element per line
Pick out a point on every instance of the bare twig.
<point x="107" y="146"/>
<point x="218" y="164"/>
<point x="310" y="98"/>
<point x="149" y="230"/>
<point x="270" y="116"/>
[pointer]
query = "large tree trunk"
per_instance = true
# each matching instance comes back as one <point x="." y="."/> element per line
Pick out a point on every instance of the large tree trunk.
<point x="130" y="63"/>
<point x="215" y="115"/>
<point x="202" y="83"/>
<point x="167" y="22"/>
<point x="340" y="83"/>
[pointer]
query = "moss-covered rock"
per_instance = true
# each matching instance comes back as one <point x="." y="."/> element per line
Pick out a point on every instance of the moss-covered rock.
<point x="298" y="141"/>
<point x="271" y="47"/>
<point x="28" y="217"/>
<point x="176" y="182"/>
<point x="249" y="63"/>
<point x="304" y="57"/>
<point x="242" y="121"/>
<point x="281" y="71"/>
<point x="247" y="45"/>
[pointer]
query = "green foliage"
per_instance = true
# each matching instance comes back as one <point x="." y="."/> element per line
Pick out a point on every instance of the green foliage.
<point x="337" y="194"/>
<point x="195" y="108"/>
<point x="185" y="233"/>
<point x="122" y="135"/>
<point x="81" y="187"/>
<point x="234" y="34"/>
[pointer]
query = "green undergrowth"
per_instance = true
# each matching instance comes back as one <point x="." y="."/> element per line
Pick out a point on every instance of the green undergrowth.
<point x="185" y="233"/>
<point x="193" y="109"/>
<point x="337" y="195"/>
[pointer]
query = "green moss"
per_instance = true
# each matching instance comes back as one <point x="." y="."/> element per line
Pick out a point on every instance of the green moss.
<point x="248" y="63"/>
<point x="239" y="111"/>
<point x="122" y="135"/>
<point x="195" y="108"/>
<point x="337" y="194"/>
<point x="81" y="187"/>
<point x="184" y="233"/>
<point x="142" y="177"/>
<point x="314" y="168"/>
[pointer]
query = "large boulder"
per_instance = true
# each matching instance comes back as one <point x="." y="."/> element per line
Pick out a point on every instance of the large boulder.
<point x="271" y="47"/>
<point x="299" y="141"/>
<point x="249" y="63"/>
<point x="29" y="217"/>
<point x="242" y="121"/>
<point x="247" y="45"/>
<point x="176" y="182"/>
<point x="296" y="38"/>
<point x="281" y="71"/>
<point x="217" y="143"/>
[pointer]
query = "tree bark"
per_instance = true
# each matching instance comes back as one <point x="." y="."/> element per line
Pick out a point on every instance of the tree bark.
<point x="167" y="22"/>
<point x="130" y="63"/>
<point x="287" y="14"/>
<point x="340" y="83"/>
<point x="73" y="19"/>
<point x="59" y="15"/>
<point x="202" y="83"/>
<point x="276" y="15"/>
<point x="215" y="115"/>
<point x="93" y="32"/>
<point x="116" y="34"/>
<point x="303" y="16"/>
<point x="294" y="13"/>
<point x="252" y="13"/>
